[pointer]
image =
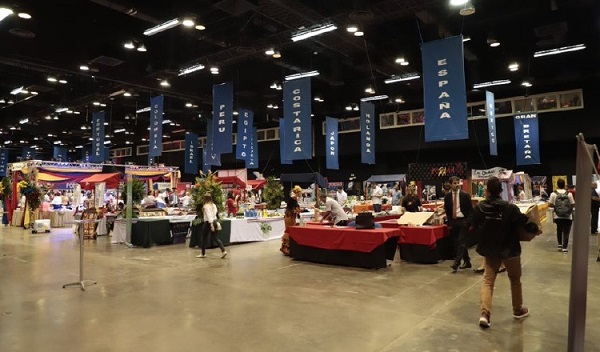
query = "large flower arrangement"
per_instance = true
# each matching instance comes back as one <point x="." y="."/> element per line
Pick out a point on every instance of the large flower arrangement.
<point x="273" y="193"/>
<point x="5" y="188"/>
<point x="207" y="184"/>
<point x="32" y="193"/>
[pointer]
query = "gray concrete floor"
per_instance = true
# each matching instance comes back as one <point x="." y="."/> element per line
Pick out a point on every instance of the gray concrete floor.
<point x="164" y="299"/>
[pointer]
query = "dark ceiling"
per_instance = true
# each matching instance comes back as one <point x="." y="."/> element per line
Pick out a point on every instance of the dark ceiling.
<point x="63" y="35"/>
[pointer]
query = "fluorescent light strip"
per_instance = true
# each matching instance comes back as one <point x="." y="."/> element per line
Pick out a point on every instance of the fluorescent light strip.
<point x="301" y="75"/>
<point x="564" y="49"/>
<point x="190" y="69"/>
<point x="143" y="110"/>
<point x="493" y="83"/>
<point x="377" y="97"/>
<point x="314" y="31"/>
<point x="162" y="27"/>
<point x="402" y="78"/>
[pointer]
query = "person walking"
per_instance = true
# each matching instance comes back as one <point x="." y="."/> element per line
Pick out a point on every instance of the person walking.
<point x="210" y="227"/>
<point x="595" y="207"/>
<point x="495" y="222"/>
<point x="562" y="202"/>
<point x="458" y="207"/>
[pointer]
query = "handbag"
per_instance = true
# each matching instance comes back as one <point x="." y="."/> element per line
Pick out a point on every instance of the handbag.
<point x="218" y="226"/>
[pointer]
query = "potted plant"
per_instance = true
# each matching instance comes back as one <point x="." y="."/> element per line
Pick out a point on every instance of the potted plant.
<point x="273" y="193"/>
<point x="207" y="184"/>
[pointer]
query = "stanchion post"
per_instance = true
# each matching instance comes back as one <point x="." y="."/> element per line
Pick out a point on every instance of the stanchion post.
<point x="129" y="212"/>
<point x="81" y="282"/>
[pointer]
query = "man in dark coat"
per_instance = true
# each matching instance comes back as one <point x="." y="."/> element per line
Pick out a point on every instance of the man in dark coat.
<point x="458" y="210"/>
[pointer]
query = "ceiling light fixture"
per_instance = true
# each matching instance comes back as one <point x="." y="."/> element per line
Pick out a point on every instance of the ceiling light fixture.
<point x="468" y="9"/>
<point x="369" y="90"/>
<point x="129" y="45"/>
<point x="84" y="68"/>
<point x="526" y="84"/>
<point x="162" y="27"/>
<point x="52" y="79"/>
<point x="513" y="67"/>
<point x="564" y="49"/>
<point x="301" y="75"/>
<point x="5" y="12"/>
<point x="190" y="69"/>
<point x="406" y="77"/>
<point x="24" y="15"/>
<point x="17" y="90"/>
<point x="458" y="2"/>
<point x="352" y="28"/>
<point x="188" y="105"/>
<point x="126" y="94"/>
<point x="59" y="110"/>
<point x="200" y="27"/>
<point x="142" y="48"/>
<point x="466" y="38"/>
<point x="214" y="70"/>
<point x="359" y="33"/>
<point x="377" y="97"/>
<point x="188" y="22"/>
<point x="277" y="55"/>
<point x="399" y="101"/>
<point x="62" y="81"/>
<point x="313" y="31"/>
<point x="492" y="83"/>
<point x="493" y="43"/>
<point x="165" y="83"/>
<point x="270" y="51"/>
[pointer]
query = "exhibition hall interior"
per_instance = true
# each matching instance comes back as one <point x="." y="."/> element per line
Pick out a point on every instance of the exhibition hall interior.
<point x="299" y="175"/>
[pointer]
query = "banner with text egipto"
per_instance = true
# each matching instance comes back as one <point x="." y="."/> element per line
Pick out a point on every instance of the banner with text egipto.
<point x="331" y="144"/>
<point x="527" y="139"/>
<point x="445" y="96"/>
<point x="244" y="131"/>
<point x="297" y="109"/>
<point x="367" y="133"/>
<point x="191" y="153"/>
<point x="222" y="117"/>
<point x="156" y="121"/>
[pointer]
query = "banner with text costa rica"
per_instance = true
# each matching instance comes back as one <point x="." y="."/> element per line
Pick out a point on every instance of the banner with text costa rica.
<point x="98" y="137"/>
<point x="60" y="154"/>
<point x="3" y="161"/>
<point x="331" y="144"/>
<point x="28" y="153"/>
<point x="252" y="161"/>
<point x="490" y="113"/>
<point x="282" y="143"/>
<point x="244" y="130"/>
<point x="191" y="153"/>
<point x="445" y="95"/>
<point x="156" y="121"/>
<point x="222" y="117"/>
<point x="212" y="158"/>
<point x="367" y="133"/>
<point x="527" y="139"/>
<point x="296" y="111"/>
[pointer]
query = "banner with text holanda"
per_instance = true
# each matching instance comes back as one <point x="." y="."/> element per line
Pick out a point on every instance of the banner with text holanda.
<point x="296" y="111"/>
<point x="367" y="133"/>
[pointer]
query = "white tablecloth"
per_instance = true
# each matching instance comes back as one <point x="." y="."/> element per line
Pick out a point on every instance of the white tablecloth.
<point x="250" y="230"/>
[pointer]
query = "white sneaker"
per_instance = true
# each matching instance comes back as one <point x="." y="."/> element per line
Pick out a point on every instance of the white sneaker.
<point x="224" y="254"/>
<point x="201" y="256"/>
<point x="565" y="251"/>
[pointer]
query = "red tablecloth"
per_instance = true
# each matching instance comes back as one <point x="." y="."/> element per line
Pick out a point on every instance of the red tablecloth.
<point x="341" y="238"/>
<point x="423" y="235"/>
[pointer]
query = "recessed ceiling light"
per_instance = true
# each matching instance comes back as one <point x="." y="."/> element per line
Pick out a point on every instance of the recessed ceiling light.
<point x="214" y="70"/>
<point x="526" y="84"/>
<point x="62" y="81"/>
<point x="142" y="48"/>
<point x="52" y="79"/>
<point x="399" y="60"/>
<point x="126" y="94"/>
<point x="277" y="55"/>
<point x="399" y="100"/>
<point x="33" y="93"/>
<point x="466" y="38"/>
<point x="200" y="27"/>
<point x="48" y="117"/>
<point x="96" y="103"/>
<point x="188" y="22"/>
<point x="359" y="33"/>
<point x="495" y="44"/>
<point x="188" y="105"/>
<point x="404" y="63"/>
<point x="24" y="15"/>
<point x="352" y="28"/>
<point x="165" y="83"/>
<point x="84" y="68"/>
<point x="129" y="45"/>
<point x="457" y="2"/>
<point x="270" y="52"/>
<point x="102" y="105"/>
<point x="55" y="117"/>
<point x="514" y="66"/>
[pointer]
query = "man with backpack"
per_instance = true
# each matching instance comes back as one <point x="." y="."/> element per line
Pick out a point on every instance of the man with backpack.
<point x="562" y="202"/>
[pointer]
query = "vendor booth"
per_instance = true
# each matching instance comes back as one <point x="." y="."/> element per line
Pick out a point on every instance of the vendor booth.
<point x="313" y="178"/>
<point x="430" y="178"/>
<point x="507" y="179"/>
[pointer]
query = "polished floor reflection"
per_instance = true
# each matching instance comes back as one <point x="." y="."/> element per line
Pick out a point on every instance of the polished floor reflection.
<point x="165" y="299"/>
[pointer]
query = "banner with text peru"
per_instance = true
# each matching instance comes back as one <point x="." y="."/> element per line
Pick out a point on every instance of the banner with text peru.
<point x="222" y="117"/>
<point x="191" y="153"/>
<point x="244" y="133"/>
<point x="98" y="137"/>
<point x="298" y="126"/>
<point x="367" y="133"/>
<point x="527" y="139"/>
<point x="331" y="144"/>
<point x="282" y="143"/>
<point x="490" y="113"/>
<point x="156" y="120"/>
<point x="252" y="161"/>
<point x="3" y="161"/>
<point x="445" y="96"/>
<point x="60" y="154"/>
<point x="212" y="157"/>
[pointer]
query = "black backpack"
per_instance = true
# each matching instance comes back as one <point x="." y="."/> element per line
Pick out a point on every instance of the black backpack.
<point x="562" y="205"/>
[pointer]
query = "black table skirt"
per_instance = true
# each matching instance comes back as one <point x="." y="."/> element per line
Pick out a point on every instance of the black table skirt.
<point x="146" y="233"/>
<point x="416" y="253"/>
<point x="224" y="235"/>
<point x="374" y="259"/>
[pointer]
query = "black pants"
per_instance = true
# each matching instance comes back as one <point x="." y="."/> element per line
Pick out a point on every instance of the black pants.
<point x="377" y="208"/>
<point x="209" y="237"/>
<point x="342" y="223"/>
<point x="459" y="232"/>
<point x="595" y="219"/>
<point x="563" y="228"/>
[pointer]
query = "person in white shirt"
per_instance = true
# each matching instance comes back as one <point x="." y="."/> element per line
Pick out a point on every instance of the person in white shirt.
<point x="185" y="200"/>
<point x="209" y="227"/>
<point x="562" y="203"/>
<point x="56" y="201"/>
<point x="149" y="201"/>
<point x="376" y="197"/>
<point x="334" y="211"/>
<point x="341" y="196"/>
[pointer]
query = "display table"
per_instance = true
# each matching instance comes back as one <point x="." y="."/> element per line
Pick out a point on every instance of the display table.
<point x="223" y="235"/>
<point x="61" y="218"/>
<point x="254" y="230"/>
<point x="423" y="244"/>
<point x="146" y="232"/>
<point x="17" y="217"/>
<point x="343" y="245"/>
<point x="359" y="208"/>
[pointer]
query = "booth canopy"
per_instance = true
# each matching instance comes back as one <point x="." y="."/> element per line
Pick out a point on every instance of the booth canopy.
<point x="231" y="180"/>
<point x="387" y="178"/>
<point x="112" y="181"/>
<point x="257" y="184"/>
<point x="305" y="178"/>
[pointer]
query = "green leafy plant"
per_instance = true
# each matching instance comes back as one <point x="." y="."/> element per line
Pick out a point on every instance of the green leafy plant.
<point x="32" y="193"/>
<point x="273" y="193"/>
<point x="5" y="188"/>
<point x="138" y="191"/>
<point x="207" y="184"/>
<point x="265" y="228"/>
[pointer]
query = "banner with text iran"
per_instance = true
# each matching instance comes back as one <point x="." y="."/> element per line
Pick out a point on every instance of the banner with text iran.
<point x="444" y="89"/>
<point x="298" y="127"/>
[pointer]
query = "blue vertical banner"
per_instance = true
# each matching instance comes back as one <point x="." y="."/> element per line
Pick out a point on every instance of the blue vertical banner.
<point x="191" y="153"/>
<point x="222" y="117"/>
<point x="106" y="153"/>
<point x="212" y="158"/>
<point x="156" y="121"/>
<point x="98" y="137"/>
<point x="244" y="134"/>
<point x="367" y="132"/>
<point x="252" y="161"/>
<point x="331" y="144"/>
<point x="150" y="160"/>
<point x="282" y="143"/>
<point x="445" y="94"/>
<point x="205" y="165"/>
<point x="490" y="114"/>
<point x="527" y="139"/>
<point x="3" y="162"/>
<point x="60" y="154"/>
<point x="86" y="154"/>
<point x="297" y="109"/>
<point x="28" y="153"/>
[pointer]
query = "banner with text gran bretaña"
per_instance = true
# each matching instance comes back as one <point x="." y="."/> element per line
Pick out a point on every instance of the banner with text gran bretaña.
<point x="282" y="143"/>
<point x="444" y="90"/>
<point x="297" y="109"/>
<point x="222" y="117"/>
<point x="367" y="133"/>
<point x="244" y="130"/>
<point x="490" y="113"/>
<point x="191" y="153"/>
<point x="156" y="121"/>
<point x="331" y="144"/>
<point x="98" y="137"/>
<point x="527" y="139"/>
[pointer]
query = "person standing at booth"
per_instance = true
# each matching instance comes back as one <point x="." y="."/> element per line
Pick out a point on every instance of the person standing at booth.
<point x="210" y="227"/>
<point x="292" y="210"/>
<point x="376" y="197"/>
<point x="458" y="207"/>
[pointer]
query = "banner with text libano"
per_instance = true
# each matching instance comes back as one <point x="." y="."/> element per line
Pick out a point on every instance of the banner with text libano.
<point x="527" y="139"/>
<point x="282" y="143"/>
<point x="28" y="153"/>
<point x="296" y="111"/>
<point x="331" y="144"/>
<point x="444" y="90"/>
<point x="156" y="120"/>
<point x="212" y="158"/>
<point x="60" y="154"/>
<point x="432" y="171"/>
<point x="3" y="162"/>
<point x="98" y="137"/>
<point x="244" y="133"/>
<point x="222" y="118"/>
<point x="252" y="162"/>
<point x="367" y="133"/>
<point x="191" y="153"/>
<point x="490" y="114"/>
